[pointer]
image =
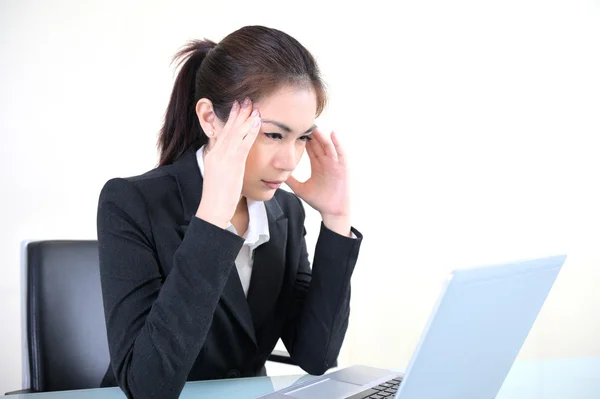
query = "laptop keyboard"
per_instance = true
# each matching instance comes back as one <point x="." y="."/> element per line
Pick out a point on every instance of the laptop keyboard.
<point x="387" y="390"/>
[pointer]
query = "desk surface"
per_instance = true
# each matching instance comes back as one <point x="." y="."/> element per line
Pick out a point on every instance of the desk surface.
<point x="528" y="379"/>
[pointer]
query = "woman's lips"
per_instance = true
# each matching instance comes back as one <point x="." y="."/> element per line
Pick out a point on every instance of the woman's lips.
<point x="274" y="185"/>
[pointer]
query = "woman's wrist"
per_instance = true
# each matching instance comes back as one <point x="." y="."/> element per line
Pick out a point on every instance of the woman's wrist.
<point x="209" y="215"/>
<point x="339" y="224"/>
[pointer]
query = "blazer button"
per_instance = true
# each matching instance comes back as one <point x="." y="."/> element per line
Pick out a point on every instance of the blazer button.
<point x="233" y="373"/>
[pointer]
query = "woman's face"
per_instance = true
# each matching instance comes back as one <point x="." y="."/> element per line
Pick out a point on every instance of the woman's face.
<point x="288" y="118"/>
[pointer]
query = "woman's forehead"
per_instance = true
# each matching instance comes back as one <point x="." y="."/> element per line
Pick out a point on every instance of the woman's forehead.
<point x="291" y="107"/>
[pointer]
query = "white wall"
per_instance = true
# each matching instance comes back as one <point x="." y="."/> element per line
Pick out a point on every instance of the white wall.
<point x="471" y="126"/>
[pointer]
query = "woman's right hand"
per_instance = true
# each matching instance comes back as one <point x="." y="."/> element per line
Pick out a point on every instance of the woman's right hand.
<point x="225" y="163"/>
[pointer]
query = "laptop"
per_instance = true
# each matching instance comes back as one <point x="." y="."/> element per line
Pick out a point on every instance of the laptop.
<point x="469" y="344"/>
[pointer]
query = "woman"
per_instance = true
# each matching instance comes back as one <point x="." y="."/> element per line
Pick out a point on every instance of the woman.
<point x="203" y="259"/>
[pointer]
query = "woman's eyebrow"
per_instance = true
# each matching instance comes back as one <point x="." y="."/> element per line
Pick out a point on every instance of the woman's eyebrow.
<point x="285" y="127"/>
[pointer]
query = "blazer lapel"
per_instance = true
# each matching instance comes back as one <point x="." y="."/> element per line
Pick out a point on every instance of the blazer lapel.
<point x="269" y="266"/>
<point x="189" y="182"/>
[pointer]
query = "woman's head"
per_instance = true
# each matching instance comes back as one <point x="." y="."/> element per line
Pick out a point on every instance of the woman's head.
<point x="269" y="67"/>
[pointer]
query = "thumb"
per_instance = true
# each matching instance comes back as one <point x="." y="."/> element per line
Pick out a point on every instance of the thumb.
<point x="294" y="184"/>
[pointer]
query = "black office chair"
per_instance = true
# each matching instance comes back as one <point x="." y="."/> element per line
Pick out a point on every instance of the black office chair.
<point x="66" y="331"/>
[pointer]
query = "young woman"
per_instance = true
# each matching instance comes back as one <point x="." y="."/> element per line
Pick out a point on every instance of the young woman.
<point x="203" y="259"/>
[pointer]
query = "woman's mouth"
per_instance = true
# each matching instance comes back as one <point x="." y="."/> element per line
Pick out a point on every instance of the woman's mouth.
<point x="273" y="185"/>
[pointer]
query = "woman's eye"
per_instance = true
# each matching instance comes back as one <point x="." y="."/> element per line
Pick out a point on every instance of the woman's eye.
<point x="279" y="136"/>
<point x="274" y="136"/>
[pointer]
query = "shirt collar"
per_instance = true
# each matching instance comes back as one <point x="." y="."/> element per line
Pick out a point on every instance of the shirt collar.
<point x="258" y="223"/>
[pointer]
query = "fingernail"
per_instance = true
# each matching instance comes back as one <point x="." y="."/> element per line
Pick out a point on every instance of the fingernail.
<point x="235" y="105"/>
<point x="256" y="122"/>
<point x="255" y="112"/>
<point x="246" y="103"/>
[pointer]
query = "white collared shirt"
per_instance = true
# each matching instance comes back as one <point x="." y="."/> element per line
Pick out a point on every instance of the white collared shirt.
<point x="256" y="234"/>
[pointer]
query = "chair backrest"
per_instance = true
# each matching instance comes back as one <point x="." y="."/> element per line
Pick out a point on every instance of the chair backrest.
<point x="66" y="331"/>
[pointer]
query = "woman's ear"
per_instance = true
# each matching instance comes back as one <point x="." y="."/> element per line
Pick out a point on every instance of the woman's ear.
<point x="207" y="117"/>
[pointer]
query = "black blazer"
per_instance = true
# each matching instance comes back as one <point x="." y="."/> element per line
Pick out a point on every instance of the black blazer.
<point x="174" y="305"/>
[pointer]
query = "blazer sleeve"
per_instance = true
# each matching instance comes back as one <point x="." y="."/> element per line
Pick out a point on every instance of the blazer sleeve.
<point x="156" y="326"/>
<point x="316" y="326"/>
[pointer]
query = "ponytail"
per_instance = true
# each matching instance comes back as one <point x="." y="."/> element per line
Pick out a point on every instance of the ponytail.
<point x="181" y="129"/>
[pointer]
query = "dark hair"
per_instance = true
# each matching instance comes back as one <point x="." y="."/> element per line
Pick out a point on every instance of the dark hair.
<point x="251" y="62"/>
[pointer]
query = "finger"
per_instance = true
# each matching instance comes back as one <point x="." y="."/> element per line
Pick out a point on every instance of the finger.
<point x="252" y="128"/>
<point x="310" y="150"/>
<point x="233" y="114"/>
<point x="246" y="111"/>
<point x="222" y="137"/>
<point x="315" y="144"/>
<point x="311" y="154"/>
<point x="338" y="147"/>
<point x="242" y="126"/>
<point x="295" y="185"/>
<point x="237" y="118"/>
<point x="323" y="141"/>
<point x="319" y="142"/>
<point x="329" y="147"/>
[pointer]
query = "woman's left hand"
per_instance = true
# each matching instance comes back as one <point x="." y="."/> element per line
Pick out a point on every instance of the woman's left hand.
<point x="327" y="188"/>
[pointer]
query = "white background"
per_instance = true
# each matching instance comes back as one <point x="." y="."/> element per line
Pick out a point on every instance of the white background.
<point x="472" y="128"/>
